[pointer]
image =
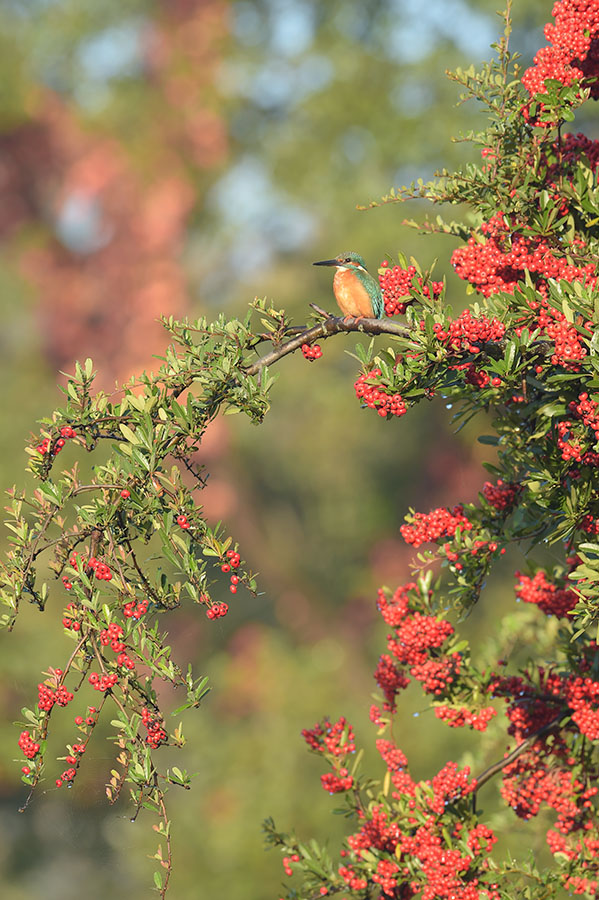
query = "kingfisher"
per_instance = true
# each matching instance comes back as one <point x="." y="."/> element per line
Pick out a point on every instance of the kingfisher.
<point x="357" y="293"/>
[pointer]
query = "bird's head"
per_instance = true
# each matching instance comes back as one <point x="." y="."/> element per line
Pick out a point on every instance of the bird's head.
<point x="350" y="260"/>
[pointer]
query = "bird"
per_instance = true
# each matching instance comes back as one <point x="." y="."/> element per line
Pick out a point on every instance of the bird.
<point x="357" y="293"/>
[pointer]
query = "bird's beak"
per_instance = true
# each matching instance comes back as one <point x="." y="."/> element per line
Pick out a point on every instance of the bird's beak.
<point x="327" y="262"/>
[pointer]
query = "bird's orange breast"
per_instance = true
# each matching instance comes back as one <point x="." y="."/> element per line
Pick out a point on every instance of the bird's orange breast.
<point x="351" y="295"/>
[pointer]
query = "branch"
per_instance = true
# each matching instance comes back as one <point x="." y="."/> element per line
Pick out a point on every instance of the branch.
<point x="331" y="325"/>
<point x="521" y="748"/>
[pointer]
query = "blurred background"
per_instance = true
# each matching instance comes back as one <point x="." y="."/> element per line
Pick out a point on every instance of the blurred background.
<point x="181" y="157"/>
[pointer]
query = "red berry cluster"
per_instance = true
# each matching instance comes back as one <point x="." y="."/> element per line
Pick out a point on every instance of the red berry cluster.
<point x="155" y="726"/>
<point x="391" y="680"/>
<point x="28" y="746"/>
<point x="458" y="717"/>
<point x="586" y="851"/>
<point x="549" y="597"/>
<point x="69" y="621"/>
<point x="415" y="643"/>
<point x="571" y="449"/>
<point x="569" y="344"/>
<point x="67" y="776"/>
<point x="535" y="779"/>
<point x="311" y="352"/>
<point x="478" y="378"/>
<point x="183" y="522"/>
<point x="48" y="696"/>
<point x="501" y="495"/>
<point x="376" y="396"/>
<point x="385" y="875"/>
<point x="582" y="695"/>
<point x="112" y="636"/>
<point x="586" y="410"/>
<point x="287" y="860"/>
<point x="233" y="562"/>
<point x="392" y="756"/>
<point x="396" y="284"/>
<point x="335" y="784"/>
<point x="469" y="332"/>
<point x="334" y="738"/>
<point x="101" y="571"/>
<point x="352" y="880"/>
<point x="501" y="261"/>
<point x="133" y="610"/>
<point x="573" y="51"/>
<point x="217" y="610"/>
<point x="437" y="675"/>
<point x="377" y="831"/>
<point x="66" y="433"/>
<point x="443" y="871"/>
<point x="431" y="526"/>
<point x="103" y="682"/>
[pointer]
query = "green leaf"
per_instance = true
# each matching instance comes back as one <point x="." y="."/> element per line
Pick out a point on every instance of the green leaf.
<point x="128" y="434"/>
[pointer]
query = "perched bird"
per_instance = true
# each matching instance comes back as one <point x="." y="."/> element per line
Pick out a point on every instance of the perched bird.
<point x="357" y="293"/>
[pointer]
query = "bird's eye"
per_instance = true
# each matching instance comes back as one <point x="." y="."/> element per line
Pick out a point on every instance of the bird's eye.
<point x="347" y="259"/>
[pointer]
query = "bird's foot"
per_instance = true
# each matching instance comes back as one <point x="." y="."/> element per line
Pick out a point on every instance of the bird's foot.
<point x="348" y="319"/>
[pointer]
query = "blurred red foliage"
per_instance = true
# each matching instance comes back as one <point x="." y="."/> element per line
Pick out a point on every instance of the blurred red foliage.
<point x="98" y="224"/>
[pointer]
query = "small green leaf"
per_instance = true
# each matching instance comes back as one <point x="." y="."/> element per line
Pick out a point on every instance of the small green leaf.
<point x="128" y="434"/>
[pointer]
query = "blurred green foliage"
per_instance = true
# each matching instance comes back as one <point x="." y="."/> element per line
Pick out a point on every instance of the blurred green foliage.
<point x="326" y="106"/>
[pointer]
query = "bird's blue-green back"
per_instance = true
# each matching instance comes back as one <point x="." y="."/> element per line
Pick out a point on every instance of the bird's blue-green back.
<point x="373" y="288"/>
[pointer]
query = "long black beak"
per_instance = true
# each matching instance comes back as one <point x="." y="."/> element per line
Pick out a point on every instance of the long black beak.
<point x="327" y="262"/>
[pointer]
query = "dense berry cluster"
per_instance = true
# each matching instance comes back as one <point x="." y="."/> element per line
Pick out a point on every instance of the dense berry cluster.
<point x="501" y="261"/>
<point x="311" y="351"/>
<point x="391" y="680"/>
<point x="99" y="569"/>
<point x="48" y="696"/>
<point x="458" y="717"/>
<point x="535" y="779"/>
<point x="28" y="746"/>
<point x="133" y="610"/>
<point x="155" y="727"/>
<point x="586" y="411"/>
<point x="392" y="756"/>
<point x="327" y="737"/>
<point x="414" y="645"/>
<point x="501" y="495"/>
<point x="397" y="284"/>
<point x="217" y="610"/>
<point x="104" y="682"/>
<point x="336" y="783"/>
<point x="420" y="856"/>
<point x="377" y="396"/>
<point x="469" y="332"/>
<point x="582" y="695"/>
<point x="437" y="523"/>
<point x="549" y="597"/>
<point x="572" y="53"/>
